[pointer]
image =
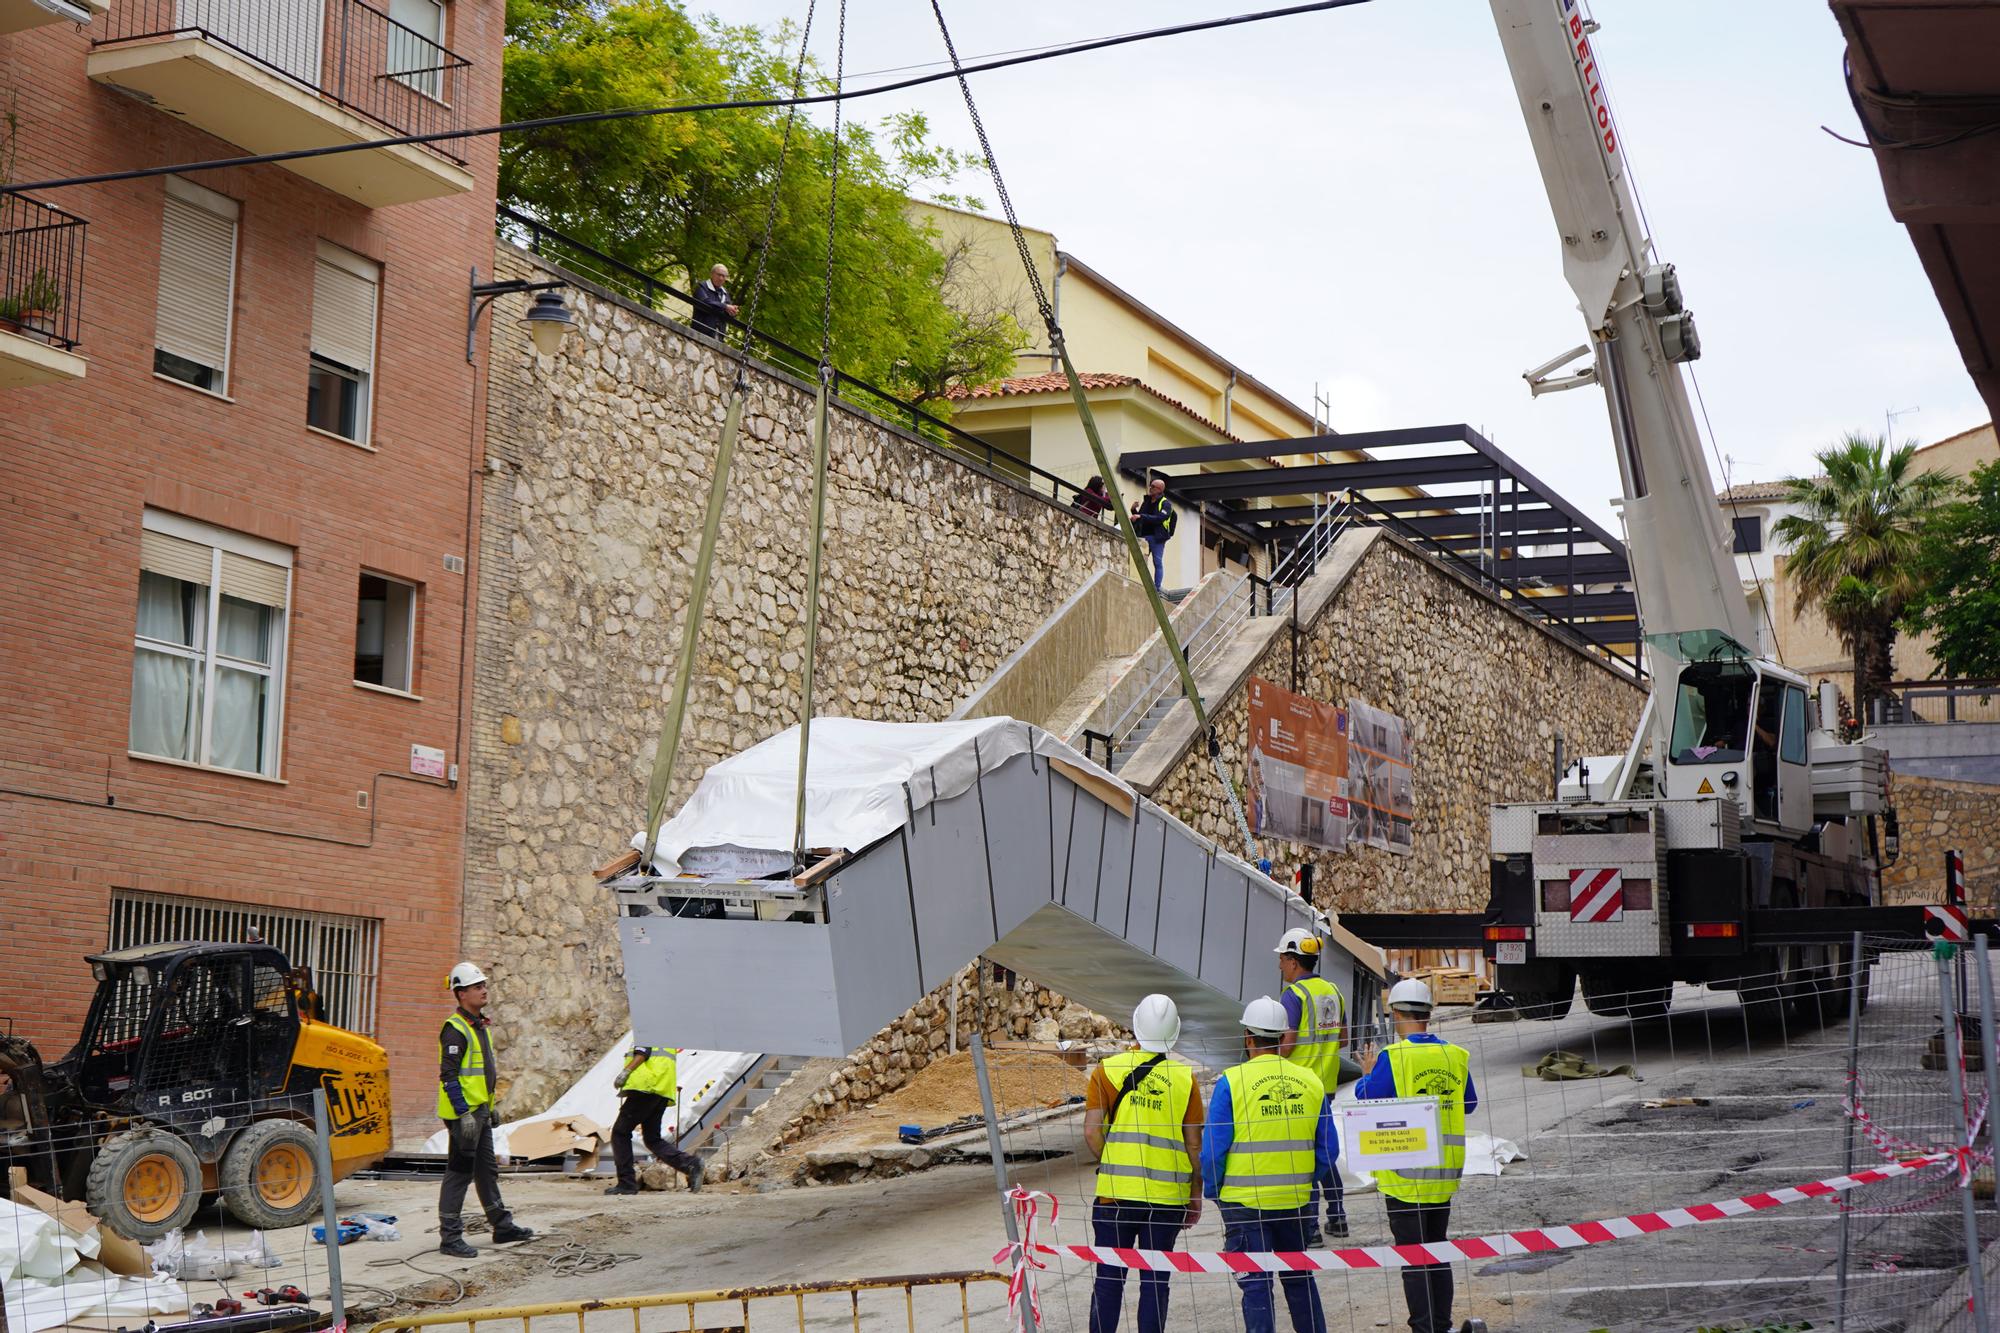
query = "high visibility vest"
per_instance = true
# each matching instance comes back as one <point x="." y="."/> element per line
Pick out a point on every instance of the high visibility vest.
<point x="1322" y="1019"/>
<point x="657" y="1074"/>
<point x="1440" y="1070"/>
<point x="471" y="1070"/>
<point x="1276" y="1106"/>
<point x="1145" y="1149"/>
<point x="1162" y="509"/>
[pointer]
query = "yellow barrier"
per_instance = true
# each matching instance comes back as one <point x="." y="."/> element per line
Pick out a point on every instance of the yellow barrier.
<point x="690" y="1301"/>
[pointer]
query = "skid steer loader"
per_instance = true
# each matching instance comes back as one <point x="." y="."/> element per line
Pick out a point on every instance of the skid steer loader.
<point x="193" y="1079"/>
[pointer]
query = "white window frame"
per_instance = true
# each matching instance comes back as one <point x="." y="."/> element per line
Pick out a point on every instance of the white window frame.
<point x="219" y="540"/>
<point x="308" y="938"/>
<point x="415" y="590"/>
<point x="222" y="206"/>
<point x="370" y="272"/>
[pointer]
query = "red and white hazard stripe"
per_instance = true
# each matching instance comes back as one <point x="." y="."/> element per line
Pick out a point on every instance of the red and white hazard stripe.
<point x="1536" y="1240"/>
<point x="1596" y="895"/>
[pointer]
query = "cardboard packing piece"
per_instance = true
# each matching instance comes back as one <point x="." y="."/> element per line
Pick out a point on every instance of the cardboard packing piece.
<point x="115" y="1252"/>
<point x="558" y="1137"/>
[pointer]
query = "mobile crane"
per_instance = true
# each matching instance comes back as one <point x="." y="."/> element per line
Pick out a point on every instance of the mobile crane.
<point x="1732" y="843"/>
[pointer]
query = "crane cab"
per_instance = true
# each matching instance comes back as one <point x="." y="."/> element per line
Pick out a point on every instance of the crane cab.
<point x="1740" y="728"/>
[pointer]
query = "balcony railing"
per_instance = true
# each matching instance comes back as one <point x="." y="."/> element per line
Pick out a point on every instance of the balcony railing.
<point x="349" y="53"/>
<point x="1910" y="701"/>
<point x="41" y="271"/>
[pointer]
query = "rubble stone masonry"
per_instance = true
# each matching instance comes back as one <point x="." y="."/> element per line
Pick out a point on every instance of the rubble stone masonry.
<point x="1936" y="817"/>
<point x="598" y="470"/>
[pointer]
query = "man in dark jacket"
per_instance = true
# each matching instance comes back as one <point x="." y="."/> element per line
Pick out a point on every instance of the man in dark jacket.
<point x="465" y="1104"/>
<point x="1153" y="518"/>
<point x="712" y="303"/>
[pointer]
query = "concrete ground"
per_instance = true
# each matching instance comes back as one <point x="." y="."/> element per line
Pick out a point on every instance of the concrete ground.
<point x="1594" y="1150"/>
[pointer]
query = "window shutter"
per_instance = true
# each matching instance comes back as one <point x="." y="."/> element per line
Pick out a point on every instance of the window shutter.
<point x="197" y="276"/>
<point x="253" y="580"/>
<point x="176" y="558"/>
<point x="343" y="325"/>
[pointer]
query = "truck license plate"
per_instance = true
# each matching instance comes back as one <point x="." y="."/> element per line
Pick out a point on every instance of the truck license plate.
<point x="1510" y="951"/>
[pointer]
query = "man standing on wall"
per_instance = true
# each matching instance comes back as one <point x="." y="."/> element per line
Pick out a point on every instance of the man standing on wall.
<point x="1154" y="519"/>
<point x="647" y="1086"/>
<point x="1318" y="1018"/>
<point x="465" y="1104"/>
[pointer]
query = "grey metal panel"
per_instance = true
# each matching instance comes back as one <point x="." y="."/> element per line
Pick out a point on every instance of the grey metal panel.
<point x="1142" y="914"/>
<point x="1222" y="928"/>
<point x="1267" y="925"/>
<point x="1016" y="799"/>
<point x="948" y="868"/>
<point x="1081" y="856"/>
<point x="874" y="939"/>
<point x="1114" y="874"/>
<point x="1183" y="880"/>
<point x="709" y="985"/>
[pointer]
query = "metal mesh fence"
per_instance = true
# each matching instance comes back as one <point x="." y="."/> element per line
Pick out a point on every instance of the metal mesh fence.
<point x="1614" y="1118"/>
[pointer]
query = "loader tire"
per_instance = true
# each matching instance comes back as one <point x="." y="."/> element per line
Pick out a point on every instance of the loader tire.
<point x="144" y="1183"/>
<point x="270" y="1175"/>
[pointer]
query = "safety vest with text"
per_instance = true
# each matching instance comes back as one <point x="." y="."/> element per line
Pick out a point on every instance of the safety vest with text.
<point x="1276" y="1106"/>
<point x="657" y="1074"/>
<point x="1145" y="1157"/>
<point x="1439" y="1070"/>
<point x="1322" y="1021"/>
<point x="472" y="1080"/>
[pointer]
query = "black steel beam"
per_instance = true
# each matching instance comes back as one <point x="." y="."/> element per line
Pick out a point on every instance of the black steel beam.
<point x="1797" y="925"/>
<point x="1419" y="930"/>
<point x="1584" y="566"/>
<point x="1310" y="444"/>
<point x="1330" y="477"/>
<point x="1583" y="603"/>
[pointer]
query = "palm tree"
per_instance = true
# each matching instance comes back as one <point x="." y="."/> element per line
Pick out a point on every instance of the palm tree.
<point x="1853" y="544"/>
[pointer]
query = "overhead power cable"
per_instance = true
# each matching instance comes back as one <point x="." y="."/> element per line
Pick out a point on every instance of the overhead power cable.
<point x="797" y="99"/>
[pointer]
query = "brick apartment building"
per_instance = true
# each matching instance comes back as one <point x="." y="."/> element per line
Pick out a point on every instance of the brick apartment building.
<point x="237" y="432"/>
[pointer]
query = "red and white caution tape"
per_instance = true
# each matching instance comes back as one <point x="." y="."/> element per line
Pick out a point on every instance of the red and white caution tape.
<point x="1025" y="1254"/>
<point x="1537" y="1240"/>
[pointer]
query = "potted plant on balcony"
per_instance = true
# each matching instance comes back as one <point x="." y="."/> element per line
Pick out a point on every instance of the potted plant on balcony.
<point x="32" y="308"/>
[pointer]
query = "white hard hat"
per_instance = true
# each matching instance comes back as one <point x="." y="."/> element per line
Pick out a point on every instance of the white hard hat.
<point x="1410" y="994"/>
<point x="465" y="974"/>
<point x="1156" y="1023"/>
<point x="1266" y="1016"/>
<point x="1300" y="942"/>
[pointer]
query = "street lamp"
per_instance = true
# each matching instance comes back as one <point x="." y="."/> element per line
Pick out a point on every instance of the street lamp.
<point x="547" y="320"/>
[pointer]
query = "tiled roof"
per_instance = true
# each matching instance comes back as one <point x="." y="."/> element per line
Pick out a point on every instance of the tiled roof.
<point x="1092" y="379"/>
<point x="1757" y="490"/>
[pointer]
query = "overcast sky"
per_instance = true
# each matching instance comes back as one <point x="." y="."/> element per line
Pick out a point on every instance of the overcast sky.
<point x="1349" y="199"/>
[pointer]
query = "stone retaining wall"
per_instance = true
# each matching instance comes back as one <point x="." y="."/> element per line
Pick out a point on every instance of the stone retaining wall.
<point x="1936" y="816"/>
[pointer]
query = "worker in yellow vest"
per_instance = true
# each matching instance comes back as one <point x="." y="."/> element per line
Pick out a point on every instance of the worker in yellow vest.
<point x="1418" y="1064"/>
<point x="1318" y="1018"/>
<point x="1142" y="1117"/>
<point x="1268" y="1138"/>
<point x="465" y="1104"/>
<point x="647" y="1086"/>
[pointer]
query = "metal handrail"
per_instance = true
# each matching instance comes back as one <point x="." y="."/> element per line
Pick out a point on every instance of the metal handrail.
<point x="637" y="285"/>
<point x="1156" y="684"/>
<point x="41" y="270"/>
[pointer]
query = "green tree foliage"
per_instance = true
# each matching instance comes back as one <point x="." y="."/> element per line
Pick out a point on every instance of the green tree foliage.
<point x="1854" y="543"/>
<point x="1958" y="566"/>
<point x="671" y="195"/>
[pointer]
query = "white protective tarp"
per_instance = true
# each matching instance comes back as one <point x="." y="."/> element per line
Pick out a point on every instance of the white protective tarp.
<point x="47" y="1279"/>
<point x="700" y="1076"/>
<point x="863" y="782"/>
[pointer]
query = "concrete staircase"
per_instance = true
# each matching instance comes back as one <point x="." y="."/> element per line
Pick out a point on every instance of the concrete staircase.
<point x="757" y="1086"/>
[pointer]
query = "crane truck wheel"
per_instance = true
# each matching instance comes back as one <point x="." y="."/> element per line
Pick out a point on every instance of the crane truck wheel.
<point x="269" y="1175"/>
<point x="144" y="1183"/>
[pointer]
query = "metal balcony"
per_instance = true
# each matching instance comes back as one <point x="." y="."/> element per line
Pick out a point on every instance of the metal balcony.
<point x="41" y="292"/>
<point x="272" y="76"/>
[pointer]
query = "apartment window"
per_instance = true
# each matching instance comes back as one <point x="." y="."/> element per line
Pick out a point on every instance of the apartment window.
<point x="345" y="288"/>
<point x="208" y="654"/>
<point x="1749" y="534"/>
<point x="385" y="633"/>
<point x="342" y="951"/>
<point x="197" y="286"/>
<point x="416" y="42"/>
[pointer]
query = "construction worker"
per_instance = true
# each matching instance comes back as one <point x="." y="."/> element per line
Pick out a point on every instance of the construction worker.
<point x="1269" y="1136"/>
<point x="465" y="1104"/>
<point x="1142" y="1117"/>
<point x="1417" y="1064"/>
<point x="646" y="1088"/>
<point x="1318" y="1017"/>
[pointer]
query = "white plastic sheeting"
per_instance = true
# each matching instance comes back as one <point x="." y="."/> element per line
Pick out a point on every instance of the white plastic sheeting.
<point x="863" y="782"/>
<point x="701" y="1076"/>
<point x="47" y="1278"/>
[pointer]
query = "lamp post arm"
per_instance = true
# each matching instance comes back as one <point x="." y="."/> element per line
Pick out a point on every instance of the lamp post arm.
<point x="481" y="294"/>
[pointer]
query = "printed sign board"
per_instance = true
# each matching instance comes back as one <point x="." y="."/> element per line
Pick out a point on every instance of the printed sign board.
<point x="427" y="760"/>
<point x="1390" y="1135"/>
<point x="1298" y="768"/>
<point x="1380" y="787"/>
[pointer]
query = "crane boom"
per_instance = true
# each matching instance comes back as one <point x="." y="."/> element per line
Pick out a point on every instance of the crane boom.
<point x="1683" y="574"/>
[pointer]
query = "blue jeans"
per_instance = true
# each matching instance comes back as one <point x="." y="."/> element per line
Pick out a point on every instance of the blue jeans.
<point x="1334" y="1193"/>
<point x="1260" y="1230"/>
<point x="1139" y="1226"/>
<point x="1159" y="549"/>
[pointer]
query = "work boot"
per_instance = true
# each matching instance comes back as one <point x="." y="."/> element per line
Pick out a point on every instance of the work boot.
<point x="695" y="1174"/>
<point x="509" y="1232"/>
<point x="622" y="1188"/>
<point x="457" y="1248"/>
<point x="1314" y="1240"/>
<point x="1473" y="1326"/>
<point x="1336" y="1227"/>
